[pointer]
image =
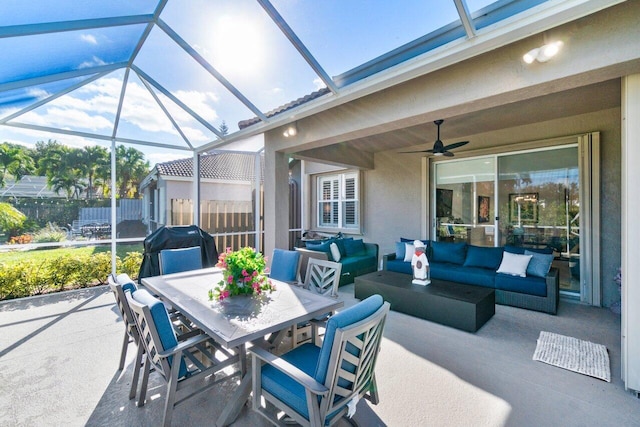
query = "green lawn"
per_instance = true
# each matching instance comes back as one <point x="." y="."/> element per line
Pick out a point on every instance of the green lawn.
<point x="43" y="253"/>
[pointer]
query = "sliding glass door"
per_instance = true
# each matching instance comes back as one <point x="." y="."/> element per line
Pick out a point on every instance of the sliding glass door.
<point x="539" y="207"/>
<point x="530" y="200"/>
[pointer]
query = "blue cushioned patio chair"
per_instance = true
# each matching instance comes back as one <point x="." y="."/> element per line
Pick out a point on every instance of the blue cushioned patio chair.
<point x="284" y="265"/>
<point x="322" y="277"/>
<point x="181" y="325"/>
<point x="179" y="260"/>
<point x="313" y="385"/>
<point x="196" y="356"/>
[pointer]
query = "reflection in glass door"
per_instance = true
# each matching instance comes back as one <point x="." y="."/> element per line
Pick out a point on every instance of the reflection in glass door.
<point x="539" y="205"/>
<point x="465" y="201"/>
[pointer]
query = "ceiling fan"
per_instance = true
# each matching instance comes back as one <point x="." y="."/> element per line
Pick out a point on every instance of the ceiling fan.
<point x="439" y="149"/>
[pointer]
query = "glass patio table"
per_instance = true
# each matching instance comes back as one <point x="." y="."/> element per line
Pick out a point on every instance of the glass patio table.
<point x="237" y="320"/>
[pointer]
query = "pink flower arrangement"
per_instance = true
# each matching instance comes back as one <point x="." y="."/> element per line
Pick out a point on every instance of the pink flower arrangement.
<point x="244" y="274"/>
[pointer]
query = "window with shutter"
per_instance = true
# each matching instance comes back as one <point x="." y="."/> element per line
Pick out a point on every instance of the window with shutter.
<point x="338" y="201"/>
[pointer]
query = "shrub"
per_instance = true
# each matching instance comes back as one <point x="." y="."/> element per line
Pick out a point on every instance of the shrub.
<point x="131" y="264"/>
<point x="50" y="233"/>
<point x="26" y="277"/>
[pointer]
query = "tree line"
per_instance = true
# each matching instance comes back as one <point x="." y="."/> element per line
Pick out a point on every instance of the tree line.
<point x="75" y="172"/>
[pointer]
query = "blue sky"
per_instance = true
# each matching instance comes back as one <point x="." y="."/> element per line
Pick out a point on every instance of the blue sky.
<point x="236" y="37"/>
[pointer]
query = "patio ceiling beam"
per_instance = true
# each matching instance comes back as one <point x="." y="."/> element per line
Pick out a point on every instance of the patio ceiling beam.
<point x="465" y="17"/>
<point x="147" y="30"/>
<point x="53" y="97"/>
<point x="19" y="84"/>
<point x="165" y="92"/>
<point x="209" y="68"/>
<point x="94" y="136"/>
<point x="123" y="89"/>
<point x="297" y="43"/>
<point x="166" y="112"/>
<point x="82" y="24"/>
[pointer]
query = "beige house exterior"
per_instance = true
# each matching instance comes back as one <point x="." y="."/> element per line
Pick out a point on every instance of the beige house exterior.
<point x="589" y="94"/>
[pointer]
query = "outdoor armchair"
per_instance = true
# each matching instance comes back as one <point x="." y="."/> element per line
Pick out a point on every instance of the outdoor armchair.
<point x="314" y="385"/>
<point x="181" y="325"/>
<point x="178" y="260"/>
<point x="186" y="366"/>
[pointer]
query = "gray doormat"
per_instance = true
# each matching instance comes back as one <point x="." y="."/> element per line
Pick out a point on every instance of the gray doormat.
<point x="573" y="354"/>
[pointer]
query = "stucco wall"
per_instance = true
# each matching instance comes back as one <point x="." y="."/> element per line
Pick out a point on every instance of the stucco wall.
<point x="392" y="197"/>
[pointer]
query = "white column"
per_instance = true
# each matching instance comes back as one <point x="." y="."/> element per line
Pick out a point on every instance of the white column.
<point x="276" y="200"/>
<point x="630" y="232"/>
<point x="113" y="207"/>
<point x="196" y="188"/>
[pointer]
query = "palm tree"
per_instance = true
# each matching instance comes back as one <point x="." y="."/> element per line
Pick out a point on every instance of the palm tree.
<point x="14" y="161"/>
<point x="131" y="168"/>
<point x="96" y="162"/>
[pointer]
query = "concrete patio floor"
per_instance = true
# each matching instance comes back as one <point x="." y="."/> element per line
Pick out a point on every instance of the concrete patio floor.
<point x="59" y="356"/>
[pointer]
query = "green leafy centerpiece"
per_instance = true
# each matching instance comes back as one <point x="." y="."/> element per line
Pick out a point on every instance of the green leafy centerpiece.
<point x="244" y="274"/>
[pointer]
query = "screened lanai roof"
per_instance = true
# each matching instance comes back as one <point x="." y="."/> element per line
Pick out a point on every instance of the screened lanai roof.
<point x="184" y="73"/>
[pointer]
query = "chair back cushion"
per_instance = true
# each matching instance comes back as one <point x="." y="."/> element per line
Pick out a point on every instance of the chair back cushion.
<point x="284" y="265"/>
<point x="346" y="317"/>
<point x="160" y="317"/>
<point x="178" y="260"/>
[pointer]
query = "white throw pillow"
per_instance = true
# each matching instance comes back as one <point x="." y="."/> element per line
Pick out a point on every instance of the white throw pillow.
<point x="514" y="264"/>
<point x="335" y="252"/>
<point x="409" y="250"/>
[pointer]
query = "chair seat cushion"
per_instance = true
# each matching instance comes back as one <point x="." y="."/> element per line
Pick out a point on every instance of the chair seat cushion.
<point x="282" y="386"/>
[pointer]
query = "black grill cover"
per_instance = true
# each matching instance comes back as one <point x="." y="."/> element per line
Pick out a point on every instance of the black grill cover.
<point x="175" y="238"/>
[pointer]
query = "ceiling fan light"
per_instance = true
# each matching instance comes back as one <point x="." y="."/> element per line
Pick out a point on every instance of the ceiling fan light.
<point x="437" y="154"/>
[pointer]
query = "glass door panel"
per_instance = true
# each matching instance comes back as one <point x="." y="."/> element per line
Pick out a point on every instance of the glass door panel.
<point x="464" y="202"/>
<point x="539" y="204"/>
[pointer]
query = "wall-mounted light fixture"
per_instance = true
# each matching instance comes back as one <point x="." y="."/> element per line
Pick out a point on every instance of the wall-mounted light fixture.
<point x="543" y="53"/>
<point x="290" y="130"/>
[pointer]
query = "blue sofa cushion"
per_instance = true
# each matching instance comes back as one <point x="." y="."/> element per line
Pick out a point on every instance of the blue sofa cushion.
<point x="539" y="265"/>
<point x="525" y="285"/>
<point x="468" y="275"/>
<point x="399" y="266"/>
<point x="163" y="324"/>
<point x="354" y="247"/>
<point x="346" y="317"/>
<point x="482" y="256"/>
<point x="454" y="253"/>
<point x="401" y="249"/>
<point x="341" y="247"/>
<point x="321" y="247"/>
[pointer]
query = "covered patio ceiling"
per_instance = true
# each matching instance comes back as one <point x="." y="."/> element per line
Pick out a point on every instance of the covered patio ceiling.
<point x="183" y="74"/>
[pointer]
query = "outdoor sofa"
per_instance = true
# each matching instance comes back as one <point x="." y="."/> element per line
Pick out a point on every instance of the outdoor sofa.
<point x="479" y="266"/>
<point x="356" y="256"/>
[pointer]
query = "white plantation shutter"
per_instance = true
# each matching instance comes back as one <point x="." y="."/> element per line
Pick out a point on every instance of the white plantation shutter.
<point x="338" y="203"/>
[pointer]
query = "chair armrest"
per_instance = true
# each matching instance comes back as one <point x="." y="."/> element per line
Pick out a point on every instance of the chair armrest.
<point x="183" y="345"/>
<point x="287" y="368"/>
<point x="387" y="257"/>
<point x="371" y="249"/>
<point x="553" y="287"/>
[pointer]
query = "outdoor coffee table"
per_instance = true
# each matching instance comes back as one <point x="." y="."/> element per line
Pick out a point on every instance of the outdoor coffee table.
<point x="453" y="304"/>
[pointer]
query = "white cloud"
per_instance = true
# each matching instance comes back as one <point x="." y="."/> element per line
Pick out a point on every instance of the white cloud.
<point x="38" y="93"/>
<point x="318" y="83"/>
<point x="93" y="63"/>
<point x="199" y="102"/>
<point x="276" y="90"/>
<point x="89" y="38"/>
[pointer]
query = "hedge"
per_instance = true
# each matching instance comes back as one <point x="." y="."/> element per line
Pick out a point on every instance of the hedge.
<point x="26" y="278"/>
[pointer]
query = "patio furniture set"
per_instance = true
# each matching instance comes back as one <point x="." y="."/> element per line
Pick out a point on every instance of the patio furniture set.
<point x="185" y="336"/>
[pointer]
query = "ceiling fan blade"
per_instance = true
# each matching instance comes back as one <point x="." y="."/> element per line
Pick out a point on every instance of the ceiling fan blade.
<point x="455" y="145"/>
<point x="447" y="153"/>
<point x="421" y="151"/>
